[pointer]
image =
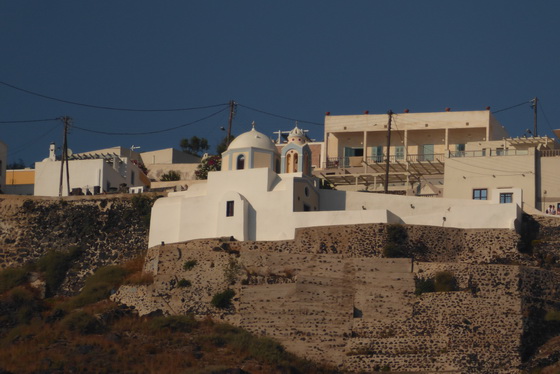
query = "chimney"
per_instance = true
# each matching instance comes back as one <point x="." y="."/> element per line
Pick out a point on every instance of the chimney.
<point x="52" y="153"/>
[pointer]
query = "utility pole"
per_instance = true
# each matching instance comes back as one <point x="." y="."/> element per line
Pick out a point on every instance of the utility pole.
<point x="534" y="103"/>
<point x="390" y="113"/>
<point x="66" y="121"/>
<point x="232" y="105"/>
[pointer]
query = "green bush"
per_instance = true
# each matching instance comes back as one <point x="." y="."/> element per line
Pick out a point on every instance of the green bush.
<point x="397" y="234"/>
<point x="424" y="285"/>
<point x="184" y="283"/>
<point x="189" y="264"/>
<point x="397" y="238"/>
<point x="552" y="316"/>
<point x="99" y="285"/>
<point x="142" y="205"/>
<point x="174" y="323"/>
<point x="445" y="281"/>
<point x="222" y="300"/>
<point x="392" y="250"/>
<point x="12" y="277"/>
<point x="232" y="271"/>
<point x="82" y="322"/>
<point x="22" y="305"/>
<point x="55" y="265"/>
<point x="259" y="348"/>
<point x="172" y="175"/>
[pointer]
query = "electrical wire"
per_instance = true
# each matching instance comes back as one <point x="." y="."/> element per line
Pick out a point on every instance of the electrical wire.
<point x="23" y="146"/>
<point x="150" y="132"/>
<point x="29" y="121"/>
<point x="511" y="107"/>
<point x="107" y="107"/>
<point x="279" y="116"/>
<point x="545" y="117"/>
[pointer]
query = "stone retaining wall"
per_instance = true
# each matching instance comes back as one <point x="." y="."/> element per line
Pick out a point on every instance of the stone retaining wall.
<point x="109" y="230"/>
<point x="357" y="312"/>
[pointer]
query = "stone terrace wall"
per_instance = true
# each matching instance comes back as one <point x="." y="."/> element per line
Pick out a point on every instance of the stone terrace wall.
<point x="439" y="244"/>
<point x="110" y="230"/>
<point x="357" y="312"/>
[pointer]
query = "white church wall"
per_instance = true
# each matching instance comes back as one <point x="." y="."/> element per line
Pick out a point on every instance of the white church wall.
<point x="233" y="216"/>
<point x="165" y="222"/>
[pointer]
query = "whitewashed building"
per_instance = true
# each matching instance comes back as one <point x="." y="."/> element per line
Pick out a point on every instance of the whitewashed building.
<point x="89" y="173"/>
<point x="264" y="194"/>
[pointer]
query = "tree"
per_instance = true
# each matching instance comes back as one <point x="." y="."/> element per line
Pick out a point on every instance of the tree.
<point x="16" y="165"/>
<point x="222" y="147"/>
<point x="194" y="145"/>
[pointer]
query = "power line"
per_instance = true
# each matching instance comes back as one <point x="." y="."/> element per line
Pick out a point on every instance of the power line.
<point x="23" y="146"/>
<point x="107" y="107"/>
<point x="150" y="132"/>
<point x="545" y="117"/>
<point x="29" y="121"/>
<point x="511" y="107"/>
<point x="279" y="116"/>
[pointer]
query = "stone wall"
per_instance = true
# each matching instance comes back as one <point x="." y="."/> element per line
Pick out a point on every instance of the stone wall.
<point x="109" y="229"/>
<point x="330" y="296"/>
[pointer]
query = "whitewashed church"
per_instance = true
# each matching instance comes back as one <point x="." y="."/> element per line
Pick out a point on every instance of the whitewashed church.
<point x="262" y="194"/>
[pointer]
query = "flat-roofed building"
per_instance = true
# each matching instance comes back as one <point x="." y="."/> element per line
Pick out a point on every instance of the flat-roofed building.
<point x="451" y="154"/>
<point x="20" y="181"/>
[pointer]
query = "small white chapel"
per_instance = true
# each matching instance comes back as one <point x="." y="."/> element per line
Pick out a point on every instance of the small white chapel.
<point x="264" y="194"/>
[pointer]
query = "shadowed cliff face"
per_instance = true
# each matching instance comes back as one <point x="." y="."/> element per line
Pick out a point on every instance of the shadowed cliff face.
<point x="109" y="230"/>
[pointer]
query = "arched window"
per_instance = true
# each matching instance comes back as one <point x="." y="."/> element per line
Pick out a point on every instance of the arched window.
<point x="295" y="170"/>
<point x="288" y="162"/>
<point x="240" y="162"/>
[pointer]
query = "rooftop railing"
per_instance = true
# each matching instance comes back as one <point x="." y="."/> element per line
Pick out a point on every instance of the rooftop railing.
<point x="550" y="153"/>
<point x="489" y="152"/>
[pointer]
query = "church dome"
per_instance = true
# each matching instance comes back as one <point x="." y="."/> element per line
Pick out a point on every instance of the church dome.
<point x="253" y="139"/>
<point x="297" y="136"/>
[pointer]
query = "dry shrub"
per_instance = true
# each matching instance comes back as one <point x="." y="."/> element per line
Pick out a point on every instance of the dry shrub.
<point x="139" y="279"/>
<point x="135" y="264"/>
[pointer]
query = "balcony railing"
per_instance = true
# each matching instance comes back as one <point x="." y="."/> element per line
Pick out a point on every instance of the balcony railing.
<point x="356" y="161"/>
<point x="489" y="152"/>
<point x="550" y="153"/>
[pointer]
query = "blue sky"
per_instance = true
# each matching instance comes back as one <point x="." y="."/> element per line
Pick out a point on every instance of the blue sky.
<point x="295" y="59"/>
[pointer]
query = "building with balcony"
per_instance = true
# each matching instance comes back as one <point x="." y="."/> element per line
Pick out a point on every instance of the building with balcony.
<point x="466" y="155"/>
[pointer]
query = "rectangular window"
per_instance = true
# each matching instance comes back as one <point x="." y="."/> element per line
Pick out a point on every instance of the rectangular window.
<point x="229" y="208"/>
<point x="506" y="197"/>
<point x="480" y="194"/>
<point x="459" y="150"/>
<point x="376" y="153"/>
<point x="399" y="152"/>
<point x="427" y="152"/>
